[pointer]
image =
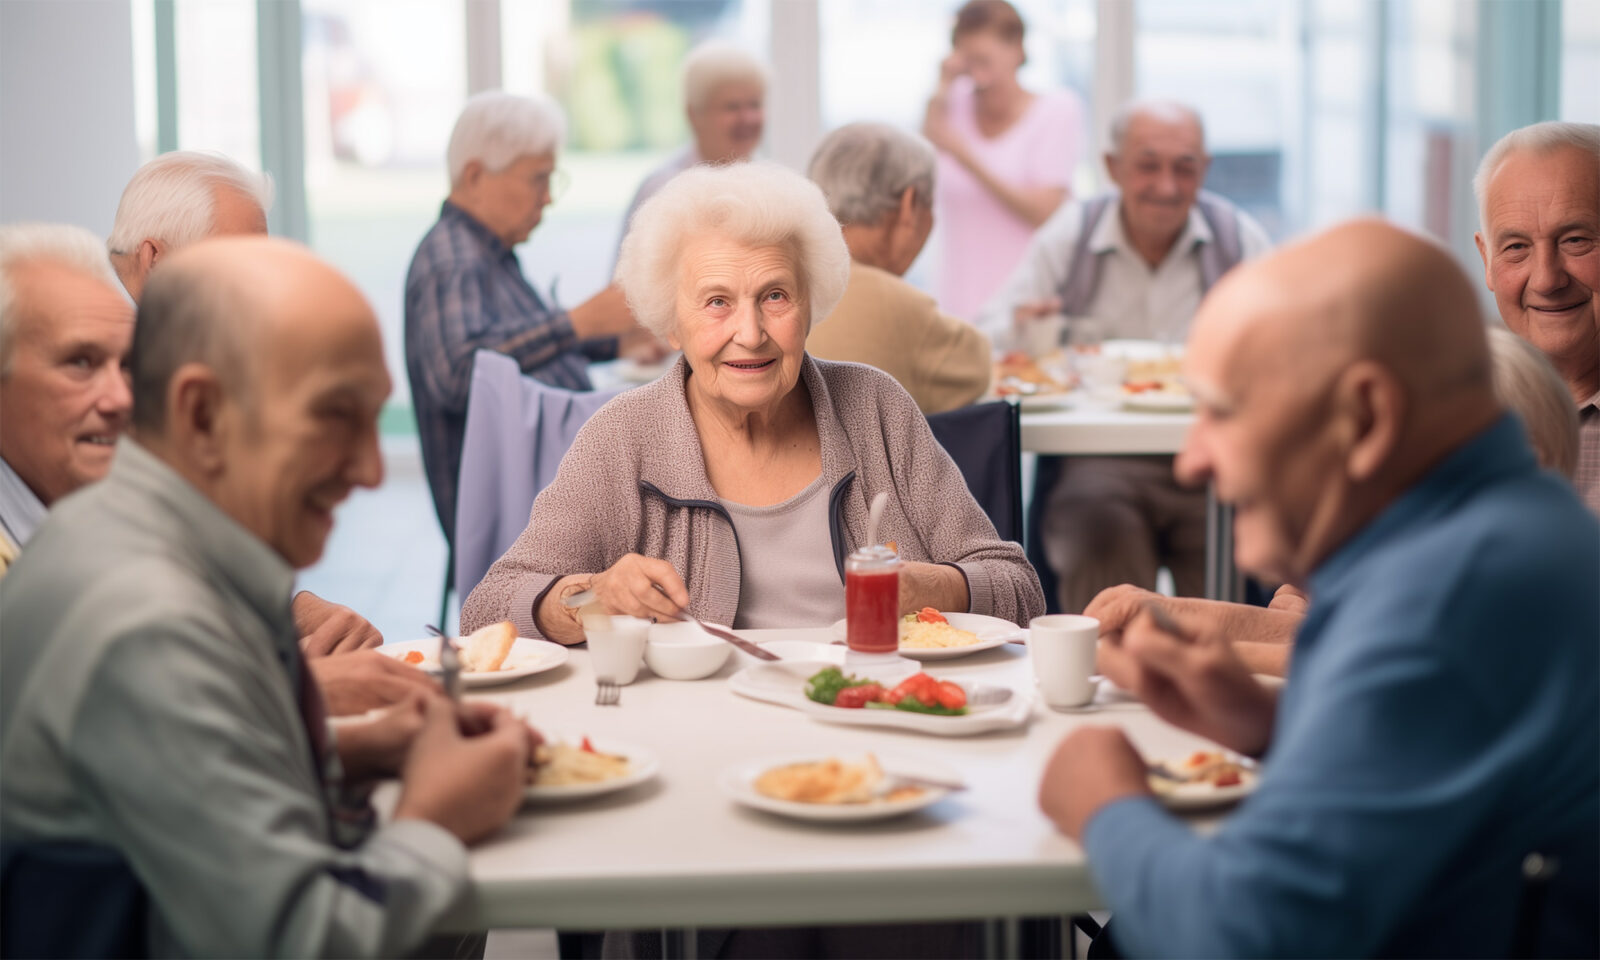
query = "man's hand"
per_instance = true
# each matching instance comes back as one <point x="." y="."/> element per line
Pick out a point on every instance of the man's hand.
<point x="354" y="683"/>
<point x="603" y="315"/>
<point x="1092" y="767"/>
<point x="642" y="347"/>
<point x="469" y="785"/>
<point x="329" y="628"/>
<point x="375" y="749"/>
<point x="1262" y="637"/>
<point x="936" y="585"/>
<point x="1290" y="599"/>
<point x="1194" y="680"/>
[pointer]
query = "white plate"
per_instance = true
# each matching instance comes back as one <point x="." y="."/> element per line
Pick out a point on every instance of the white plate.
<point x="738" y="783"/>
<point x="1126" y="349"/>
<point x="784" y="683"/>
<point x="1203" y="796"/>
<point x="1155" y="402"/>
<point x="642" y="766"/>
<point x="527" y="657"/>
<point x="992" y="632"/>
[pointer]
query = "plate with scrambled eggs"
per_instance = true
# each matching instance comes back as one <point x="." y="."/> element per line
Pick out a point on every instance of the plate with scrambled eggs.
<point x="935" y="635"/>
<point x="835" y="788"/>
<point x="571" y="767"/>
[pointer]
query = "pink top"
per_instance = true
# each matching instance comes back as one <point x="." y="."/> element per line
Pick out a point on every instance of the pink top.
<point x="984" y="241"/>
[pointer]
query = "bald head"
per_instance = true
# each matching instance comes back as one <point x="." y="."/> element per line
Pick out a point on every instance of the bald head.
<point x="258" y="375"/>
<point x="1330" y="376"/>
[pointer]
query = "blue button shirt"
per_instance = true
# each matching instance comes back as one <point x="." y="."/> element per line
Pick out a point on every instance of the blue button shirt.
<point x="466" y="292"/>
<point x="1440" y="721"/>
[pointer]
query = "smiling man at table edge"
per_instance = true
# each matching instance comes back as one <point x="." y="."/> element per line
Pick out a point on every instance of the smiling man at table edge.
<point x="155" y="701"/>
<point x="1440" y="719"/>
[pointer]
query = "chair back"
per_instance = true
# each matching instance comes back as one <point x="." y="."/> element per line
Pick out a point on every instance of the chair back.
<point x="985" y="441"/>
<point x="70" y="899"/>
<point x="518" y="429"/>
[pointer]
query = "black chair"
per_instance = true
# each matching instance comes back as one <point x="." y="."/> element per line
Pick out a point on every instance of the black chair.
<point x="69" y="899"/>
<point x="985" y="441"/>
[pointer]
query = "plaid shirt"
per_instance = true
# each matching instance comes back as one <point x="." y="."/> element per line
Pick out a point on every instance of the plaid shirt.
<point x="465" y="292"/>
<point x="1587" y="477"/>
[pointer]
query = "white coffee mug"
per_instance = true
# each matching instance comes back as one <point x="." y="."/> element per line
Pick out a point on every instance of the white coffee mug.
<point x="1062" y="648"/>
<point x="616" y="646"/>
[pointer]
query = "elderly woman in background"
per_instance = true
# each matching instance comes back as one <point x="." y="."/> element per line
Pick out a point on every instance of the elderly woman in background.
<point x="735" y="486"/>
<point x="724" y="93"/>
<point x="879" y="184"/>
<point x="1006" y="154"/>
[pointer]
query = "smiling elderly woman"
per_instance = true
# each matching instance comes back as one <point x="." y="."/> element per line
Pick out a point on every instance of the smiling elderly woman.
<point x="736" y="484"/>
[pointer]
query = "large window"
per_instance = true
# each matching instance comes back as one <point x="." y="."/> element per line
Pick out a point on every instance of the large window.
<point x="1580" y="61"/>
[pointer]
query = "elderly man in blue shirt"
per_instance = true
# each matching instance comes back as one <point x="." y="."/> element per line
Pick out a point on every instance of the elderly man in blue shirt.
<point x="465" y="290"/>
<point x="1441" y="719"/>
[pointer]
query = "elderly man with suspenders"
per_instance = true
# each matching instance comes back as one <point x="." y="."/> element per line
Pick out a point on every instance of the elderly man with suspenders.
<point x="1136" y="261"/>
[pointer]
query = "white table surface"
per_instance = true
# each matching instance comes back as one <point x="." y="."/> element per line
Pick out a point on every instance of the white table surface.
<point x="677" y="853"/>
<point x="1086" y="429"/>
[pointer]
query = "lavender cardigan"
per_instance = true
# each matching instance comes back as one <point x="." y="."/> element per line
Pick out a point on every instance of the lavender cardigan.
<point x="635" y="482"/>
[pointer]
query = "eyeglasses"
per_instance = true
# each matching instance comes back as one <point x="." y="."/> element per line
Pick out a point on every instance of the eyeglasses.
<point x="554" y="183"/>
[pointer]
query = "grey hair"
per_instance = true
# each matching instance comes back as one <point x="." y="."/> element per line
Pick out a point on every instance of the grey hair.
<point x="713" y="64"/>
<point x="1546" y="137"/>
<point x="863" y="168"/>
<point x="1166" y="110"/>
<point x="187" y="316"/>
<point x="758" y="204"/>
<point x="173" y="198"/>
<point x="59" y="243"/>
<point x="495" y="128"/>
<point x="1527" y="385"/>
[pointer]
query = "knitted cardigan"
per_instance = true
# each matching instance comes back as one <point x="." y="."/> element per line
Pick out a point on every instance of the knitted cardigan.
<point x="635" y="482"/>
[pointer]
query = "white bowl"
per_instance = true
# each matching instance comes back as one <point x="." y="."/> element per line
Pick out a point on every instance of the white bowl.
<point x="682" y="651"/>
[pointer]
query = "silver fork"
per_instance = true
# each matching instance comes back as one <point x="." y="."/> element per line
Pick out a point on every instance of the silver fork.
<point x="607" y="693"/>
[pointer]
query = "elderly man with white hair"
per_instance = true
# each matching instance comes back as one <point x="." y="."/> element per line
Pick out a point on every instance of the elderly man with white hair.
<point x="879" y="184"/>
<point x="177" y="199"/>
<point x="1132" y="263"/>
<point x="466" y="292"/>
<point x="724" y="94"/>
<point x="65" y="330"/>
<point x="1538" y="194"/>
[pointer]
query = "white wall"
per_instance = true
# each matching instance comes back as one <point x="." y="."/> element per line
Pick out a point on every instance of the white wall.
<point x="67" y="141"/>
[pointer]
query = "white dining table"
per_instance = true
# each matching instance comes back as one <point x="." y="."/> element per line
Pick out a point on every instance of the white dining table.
<point x="678" y="853"/>
<point x="1084" y="428"/>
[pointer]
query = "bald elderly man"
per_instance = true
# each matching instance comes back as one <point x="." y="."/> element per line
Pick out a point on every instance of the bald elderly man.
<point x="1538" y="193"/>
<point x="182" y="734"/>
<point x="1134" y="262"/>
<point x="1441" y="719"/>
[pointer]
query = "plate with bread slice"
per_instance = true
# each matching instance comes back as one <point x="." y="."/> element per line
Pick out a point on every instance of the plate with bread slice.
<point x="492" y="655"/>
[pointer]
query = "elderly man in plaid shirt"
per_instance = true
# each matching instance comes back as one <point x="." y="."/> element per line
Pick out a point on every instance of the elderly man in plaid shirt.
<point x="465" y="290"/>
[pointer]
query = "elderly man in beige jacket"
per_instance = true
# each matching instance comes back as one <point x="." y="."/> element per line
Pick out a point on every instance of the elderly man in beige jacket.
<point x="879" y="184"/>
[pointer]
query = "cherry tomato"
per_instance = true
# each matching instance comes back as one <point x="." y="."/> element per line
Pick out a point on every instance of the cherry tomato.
<point x="414" y="656"/>
<point x="1227" y="778"/>
<point x="951" y="696"/>
<point x="930" y="615"/>
<point x="858" y="697"/>
<point x="586" y="746"/>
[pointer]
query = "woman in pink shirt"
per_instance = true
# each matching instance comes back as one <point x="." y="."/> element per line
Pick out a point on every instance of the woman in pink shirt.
<point x="1006" y="154"/>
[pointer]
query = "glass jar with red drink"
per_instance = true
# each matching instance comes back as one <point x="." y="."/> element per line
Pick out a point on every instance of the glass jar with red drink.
<point x="872" y="600"/>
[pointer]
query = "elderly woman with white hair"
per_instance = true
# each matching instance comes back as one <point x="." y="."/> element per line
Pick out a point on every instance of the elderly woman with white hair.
<point x="724" y="92"/>
<point x="465" y="290"/>
<point x="879" y="185"/>
<point x="736" y="485"/>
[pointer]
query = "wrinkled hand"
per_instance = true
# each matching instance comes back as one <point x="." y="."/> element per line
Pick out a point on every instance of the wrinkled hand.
<point x="1290" y="599"/>
<point x="354" y="683"/>
<point x="1193" y="680"/>
<point x="935" y="585"/>
<point x="1092" y="767"/>
<point x="629" y="588"/>
<point x="375" y="749"/>
<point x="469" y="785"/>
<point x="1259" y="635"/>
<point x="329" y="628"/>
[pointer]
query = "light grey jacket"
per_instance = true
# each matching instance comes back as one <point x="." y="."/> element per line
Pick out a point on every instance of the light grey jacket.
<point x="148" y="706"/>
<point x="635" y="482"/>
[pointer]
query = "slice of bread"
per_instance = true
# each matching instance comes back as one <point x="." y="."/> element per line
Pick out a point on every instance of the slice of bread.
<point x="486" y="649"/>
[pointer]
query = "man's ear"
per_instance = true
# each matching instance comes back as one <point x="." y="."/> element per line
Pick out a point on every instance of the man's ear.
<point x="1110" y="160"/>
<point x="197" y="417"/>
<point x="1369" y="405"/>
<point x="471" y="174"/>
<point x="148" y="254"/>
<point x="906" y="217"/>
<point x="1483" y="254"/>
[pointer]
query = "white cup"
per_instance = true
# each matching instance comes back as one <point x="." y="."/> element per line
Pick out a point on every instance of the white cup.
<point x="616" y="646"/>
<point x="1062" y="648"/>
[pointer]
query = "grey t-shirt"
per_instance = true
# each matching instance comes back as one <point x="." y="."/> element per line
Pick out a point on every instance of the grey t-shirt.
<point x="788" y="578"/>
